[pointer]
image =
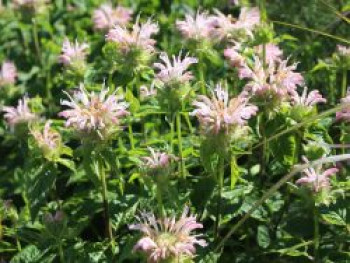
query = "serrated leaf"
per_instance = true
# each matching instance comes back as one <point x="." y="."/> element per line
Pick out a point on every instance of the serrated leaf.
<point x="333" y="218"/>
<point x="263" y="236"/>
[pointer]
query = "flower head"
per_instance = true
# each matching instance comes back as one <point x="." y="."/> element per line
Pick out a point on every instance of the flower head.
<point x="199" y="27"/>
<point x="286" y="76"/>
<point x="19" y="114"/>
<point x="168" y="238"/>
<point x="175" y="71"/>
<point x="275" y="82"/>
<point x="30" y="5"/>
<point x="8" y="73"/>
<point x="343" y="51"/>
<point x="344" y="114"/>
<point x="220" y="114"/>
<point x="307" y="99"/>
<point x="315" y="178"/>
<point x="272" y="52"/>
<point x="233" y="55"/>
<point x="227" y="27"/>
<point x="224" y="25"/>
<point x="54" y="218"/>
<point x="73" y="54"/>
<point x="139" y="38"/>
<point x="248" y="18"/>
<point x="93" y="112"/>
<point x="156" y="160"/>
<point x="48" y="139"/>
<point x="105" y="17"/>
<point x="147" y="91"/>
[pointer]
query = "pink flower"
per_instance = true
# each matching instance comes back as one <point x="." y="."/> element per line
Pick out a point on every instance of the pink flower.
<point x="156" y="160"/>
<point x="175" y="71"/>
<point x="259" y="81"/>
<point x="308" y="100"/>
<point x="73" y="54"/>
<point x="272" y="52"/>
<point x="234" y="56"/>
<point x="147" y="92"/>
<point x="34" y="5"/>
<point x="168" y="238"/>
<point x="54" y="218"/>
<point x="105" y="17"/>
<point x="343" y="51"/>
<point x="138" y="38"/>
<point x="91" y="111"/>
<point x="315" y="178"/>
<point x="48" y="139"/>
<point x="248" y="18"/>
<point x="25" y="3"/>
<point x="226" y="27"/>
<point x="219" y="113"/>
<point x="8" y="73"/>
<point x="276" y="80"/>
<point x="286" y="76"/>
<point x="344" y="114"/>
<point x="19" y="114"/>
<point x="198" y="27"/>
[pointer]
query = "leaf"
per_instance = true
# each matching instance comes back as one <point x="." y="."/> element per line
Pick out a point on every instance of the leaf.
<point x="203" y="191"/>
<point x="285" y="149"/>
<point x="39" y="189"/>
<point x="333" y="218"/>
<point x="67" y="163"/>
<point x="263" y="236"/>
<point x="134" y="102"/>
<point x="29" y="254"/>
<point x="234" y="172"/>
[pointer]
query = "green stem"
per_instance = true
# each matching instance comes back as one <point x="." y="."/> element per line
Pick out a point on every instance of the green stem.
<point x="18" y="243"/>
<point x="108" y="225"/>
<point x="201" y="68"/>
<point x="179" y="139"/>
<point x="298" y="140"/>
<point x="36" y="40"/>
<point x="60" y="252"/>
<point x="110" y="80"/>
<point x="172" y="131"/>
<point x="316" y="234"/>
<point x="343" y="94"/>
<point x="160" y="200"/>
<point x="264" y="56"/>
<point x="264" y="148"/>
<point x="220" y="179"/>
<point x="131" y="136"/>
<point x="25" y="43"/>
<point x="344" y="82"/>
<point x="137" y="85"/>
<point x="262" y="7"/>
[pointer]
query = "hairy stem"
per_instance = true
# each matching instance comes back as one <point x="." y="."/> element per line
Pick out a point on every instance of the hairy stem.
<point x="108" y="225"/>
<point x="343" y="94"/>
<point x="179" y="139"/>
<point x="316" y="234"/>
<point x="60" y="252"/>
<point x="264" y="148"/>
<point x="201" y="68"/>
<point x="131" y="136"/>
<point x="159" y="194"/>
<point x="172" y="131"/>
<point x="36" y="40"/>
<point x="220" y="179"/>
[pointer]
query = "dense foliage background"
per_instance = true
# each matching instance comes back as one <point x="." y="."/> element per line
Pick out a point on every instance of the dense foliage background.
<point x="281" y="229"/>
